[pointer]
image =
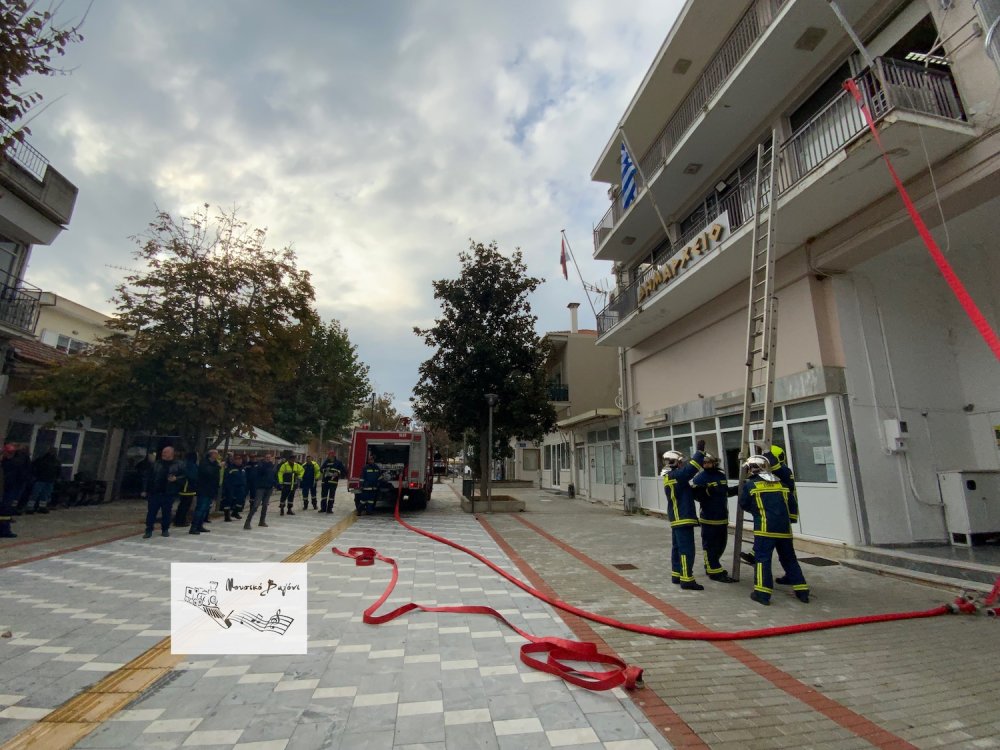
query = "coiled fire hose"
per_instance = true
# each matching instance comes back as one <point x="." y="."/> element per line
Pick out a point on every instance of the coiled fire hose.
<point x="558" y="651"/>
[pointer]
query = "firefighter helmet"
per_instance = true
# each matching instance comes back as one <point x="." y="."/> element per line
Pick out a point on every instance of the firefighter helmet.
<point x="673" y="459"/>
<point x="756" y="464"/>
<point x="709" y="457"/>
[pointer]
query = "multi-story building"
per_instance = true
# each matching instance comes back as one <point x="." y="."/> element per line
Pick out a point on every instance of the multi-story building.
<point x="585" y="448"/>
<point x="36" y="204"/>
<point x="882" y="382"/>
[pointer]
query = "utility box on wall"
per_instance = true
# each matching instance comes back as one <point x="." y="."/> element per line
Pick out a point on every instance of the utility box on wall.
<point x="971" y="504"/>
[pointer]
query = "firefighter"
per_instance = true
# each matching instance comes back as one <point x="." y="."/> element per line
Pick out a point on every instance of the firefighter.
<point x="371" y="473"/>
<point x="331" y="471"/>
<point x="712" y="492"/>
<point x="234" y="489"/>
<point x="289" y="475"/>
<point x="683" y="516"/>
<point x="188" y="491"/>
<point x="772" y="506"/>
<point x="310" y="478"/>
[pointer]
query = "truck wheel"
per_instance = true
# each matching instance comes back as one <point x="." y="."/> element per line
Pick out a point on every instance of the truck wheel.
<point x="418" y="501"/>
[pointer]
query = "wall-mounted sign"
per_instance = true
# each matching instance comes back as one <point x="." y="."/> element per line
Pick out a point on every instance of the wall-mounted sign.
<point x="707" y="240"/>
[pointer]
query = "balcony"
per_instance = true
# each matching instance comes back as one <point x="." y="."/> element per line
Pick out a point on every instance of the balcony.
<point x="823" y="177"/>
<point x="559" y="393"/>
<point x="19" y="304"/>
<point x="27" y="174"/>
<point x="774" y="49"/>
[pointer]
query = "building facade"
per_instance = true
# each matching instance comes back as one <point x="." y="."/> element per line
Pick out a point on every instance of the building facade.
<point x="882" y="382"/>
<point x="584" y="451"/>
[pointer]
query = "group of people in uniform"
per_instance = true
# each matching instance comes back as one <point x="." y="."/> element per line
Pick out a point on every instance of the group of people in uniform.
<point x="768" y="495"/>
<point x="235" y="483"/>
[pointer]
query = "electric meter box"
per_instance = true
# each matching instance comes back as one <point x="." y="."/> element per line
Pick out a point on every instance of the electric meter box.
<point x="971" y="504"/>
<point x="896" y="434"/>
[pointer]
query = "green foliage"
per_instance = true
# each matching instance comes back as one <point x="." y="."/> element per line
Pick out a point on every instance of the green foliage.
<point x="29" y="40"/>
<point x="485" y="342"/>
<point x="201" y="337"/>
<point x="330" y="383"/>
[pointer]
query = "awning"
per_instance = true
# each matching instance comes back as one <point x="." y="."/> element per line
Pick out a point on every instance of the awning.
<point x="588" y="416"/>
<point x="260" y="439"/>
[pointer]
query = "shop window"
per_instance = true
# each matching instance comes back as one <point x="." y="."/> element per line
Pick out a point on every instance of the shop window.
<point x="616" y="462"/>
<point x="731" y="453"/>
<point x="806" y="409"/>
<point x="704" y="425"/>
<point x="647" y="459"/>
<point x="733" y="420"/>
<point x="19" y="432"/>
<point x="644" y="434"/>
<point x="564" y="456"/>
<point x="811" y="452"/>
<point x="548" y="457"/>
<point x="614" y="433"/>
<point x="92" y="453"/>
<point x="662" y="432"/>
<point x="682" y="429"/>
<point x="529" y="459"/>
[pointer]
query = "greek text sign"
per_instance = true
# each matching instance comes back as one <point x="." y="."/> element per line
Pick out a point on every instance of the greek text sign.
<point x="238" y="608"/>
<point x="708" y="239"/>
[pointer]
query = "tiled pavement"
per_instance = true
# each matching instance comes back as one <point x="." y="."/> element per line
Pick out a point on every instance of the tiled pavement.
<point x="426" y="680"/>
<point x="923" y="683"/>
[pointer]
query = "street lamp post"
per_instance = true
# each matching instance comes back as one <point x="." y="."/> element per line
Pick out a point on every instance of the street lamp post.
<point x="491" y="399"/>
<point x="322" y="447"/>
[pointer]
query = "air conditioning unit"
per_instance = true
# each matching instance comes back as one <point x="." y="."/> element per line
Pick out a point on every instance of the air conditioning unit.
<point x="971" y="504"/>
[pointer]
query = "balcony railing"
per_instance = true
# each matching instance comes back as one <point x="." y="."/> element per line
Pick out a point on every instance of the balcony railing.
<point x="748" y="30"/>
<point x="19" y="303"/>
<point x="907" y="86"/>
<point x="23" y="153"/>
<point x="558" y="392"/>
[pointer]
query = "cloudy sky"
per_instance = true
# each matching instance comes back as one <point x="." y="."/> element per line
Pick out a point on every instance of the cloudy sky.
<point x="374" y="137"/>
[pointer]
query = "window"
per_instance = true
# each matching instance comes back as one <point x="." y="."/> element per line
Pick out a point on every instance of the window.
<point x="529" y="459"/>
<point x="70" y="345"/>
<point x="19" y="432"/>
<point x="807" y="409"/>
<point x="647" y="459"/>
<point x="548" y="457"/>
<point x="616" y="460"/>
<point x="811" y="453"/>
<point x="564" y="456"/>
<point x="92" y="453"/>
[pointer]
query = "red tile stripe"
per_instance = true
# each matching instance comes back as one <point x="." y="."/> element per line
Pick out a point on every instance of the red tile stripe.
<point x="660" y="715"/>
<point x="845" y="717"/>
<point x="56" y="553"/>
<point x="72" y="533"/>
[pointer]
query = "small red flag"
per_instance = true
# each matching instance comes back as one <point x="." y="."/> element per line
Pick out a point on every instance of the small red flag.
<point x="562" y="260"/>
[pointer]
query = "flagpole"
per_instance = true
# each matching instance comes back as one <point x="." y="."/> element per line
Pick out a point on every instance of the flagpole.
<point x="577" y="267"/>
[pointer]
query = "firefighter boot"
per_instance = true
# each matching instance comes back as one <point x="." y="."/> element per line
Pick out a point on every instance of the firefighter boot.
<point x="761" y="598"/>
<point x="5" y="532"/>
<point x="692" y="586"/>
<point x="290" y="511"/>
<point x="246" y="524"/>
<point x="226" y="511"/>
<point x="281" y="508"/>
<point x="802" y="596"/>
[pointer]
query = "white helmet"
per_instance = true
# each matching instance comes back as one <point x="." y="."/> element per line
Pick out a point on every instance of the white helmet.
<point x="756" y="464"/>
<point x="673" y="459"/>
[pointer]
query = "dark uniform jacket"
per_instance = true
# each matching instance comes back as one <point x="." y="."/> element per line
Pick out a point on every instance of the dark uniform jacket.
<point x="310" y="473"/>
<point x="370" y="474"/>
<point x="680" y="495"/>
<point x="209" y="478"/>
<point x="46" y="468"/>
<point x="712" y="492"/>
<point x="234" y="487"/>
<point x="771" y="504"/>
<point x="332" y="470"/>
<point x="261" y="476"/>
<point x="190" y="484"/>
<point x="787" y="478"/>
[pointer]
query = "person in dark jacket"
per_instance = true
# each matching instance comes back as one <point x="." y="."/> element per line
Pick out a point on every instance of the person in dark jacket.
<point x="712" y="492"/>
<point x="371" y="474"/>
<point x="261" y="481"/>
<point x="772" y="506"/>
<point x="310" y="479"/>
<point x="165" y="483"/>
<point x="6" y="507"/>
<point x="17" y="476"/>
<point x="331" y="471"/>
<point x="683" y="514"/>
<point x="189" y="490"/>
<point x="45" y="469"/>
<point x="234" y="489"/>
<point x="207" y="489"/>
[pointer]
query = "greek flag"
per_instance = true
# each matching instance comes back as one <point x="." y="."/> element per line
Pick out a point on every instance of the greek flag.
<point x="628" y="179"/>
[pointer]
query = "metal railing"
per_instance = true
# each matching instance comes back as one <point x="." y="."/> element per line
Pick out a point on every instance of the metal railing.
<point x="19" y="303"/>
<point x="748" y="30"/>
<point x="908" y="86"/>
<point x="22" y="153"/>
<point x="558" y="392"/>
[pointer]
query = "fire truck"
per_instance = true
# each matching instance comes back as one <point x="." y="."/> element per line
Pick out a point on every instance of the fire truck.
<point x="404" y="455"/>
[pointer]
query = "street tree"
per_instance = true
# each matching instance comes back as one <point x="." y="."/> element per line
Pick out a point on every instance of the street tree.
<point x="379" y="411"/>
<point x="30" y="40"/>
<point x="485" y="342"/>
<point x="201" y="338"/>
<point x="330" y="383"/>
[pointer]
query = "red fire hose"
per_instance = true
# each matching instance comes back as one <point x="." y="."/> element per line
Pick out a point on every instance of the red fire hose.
<point x="561" y="650"/>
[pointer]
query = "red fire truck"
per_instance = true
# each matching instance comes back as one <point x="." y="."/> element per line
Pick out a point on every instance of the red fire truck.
<point x="405" y="455"/>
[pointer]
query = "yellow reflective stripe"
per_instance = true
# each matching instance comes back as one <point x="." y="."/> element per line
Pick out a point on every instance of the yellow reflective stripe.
<point x="717" y="522"/>
<point x="800" y="587"/>
<point x="685" y="522"/>
<point x="685" y="570"/>
<point x="773" y="534"/>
